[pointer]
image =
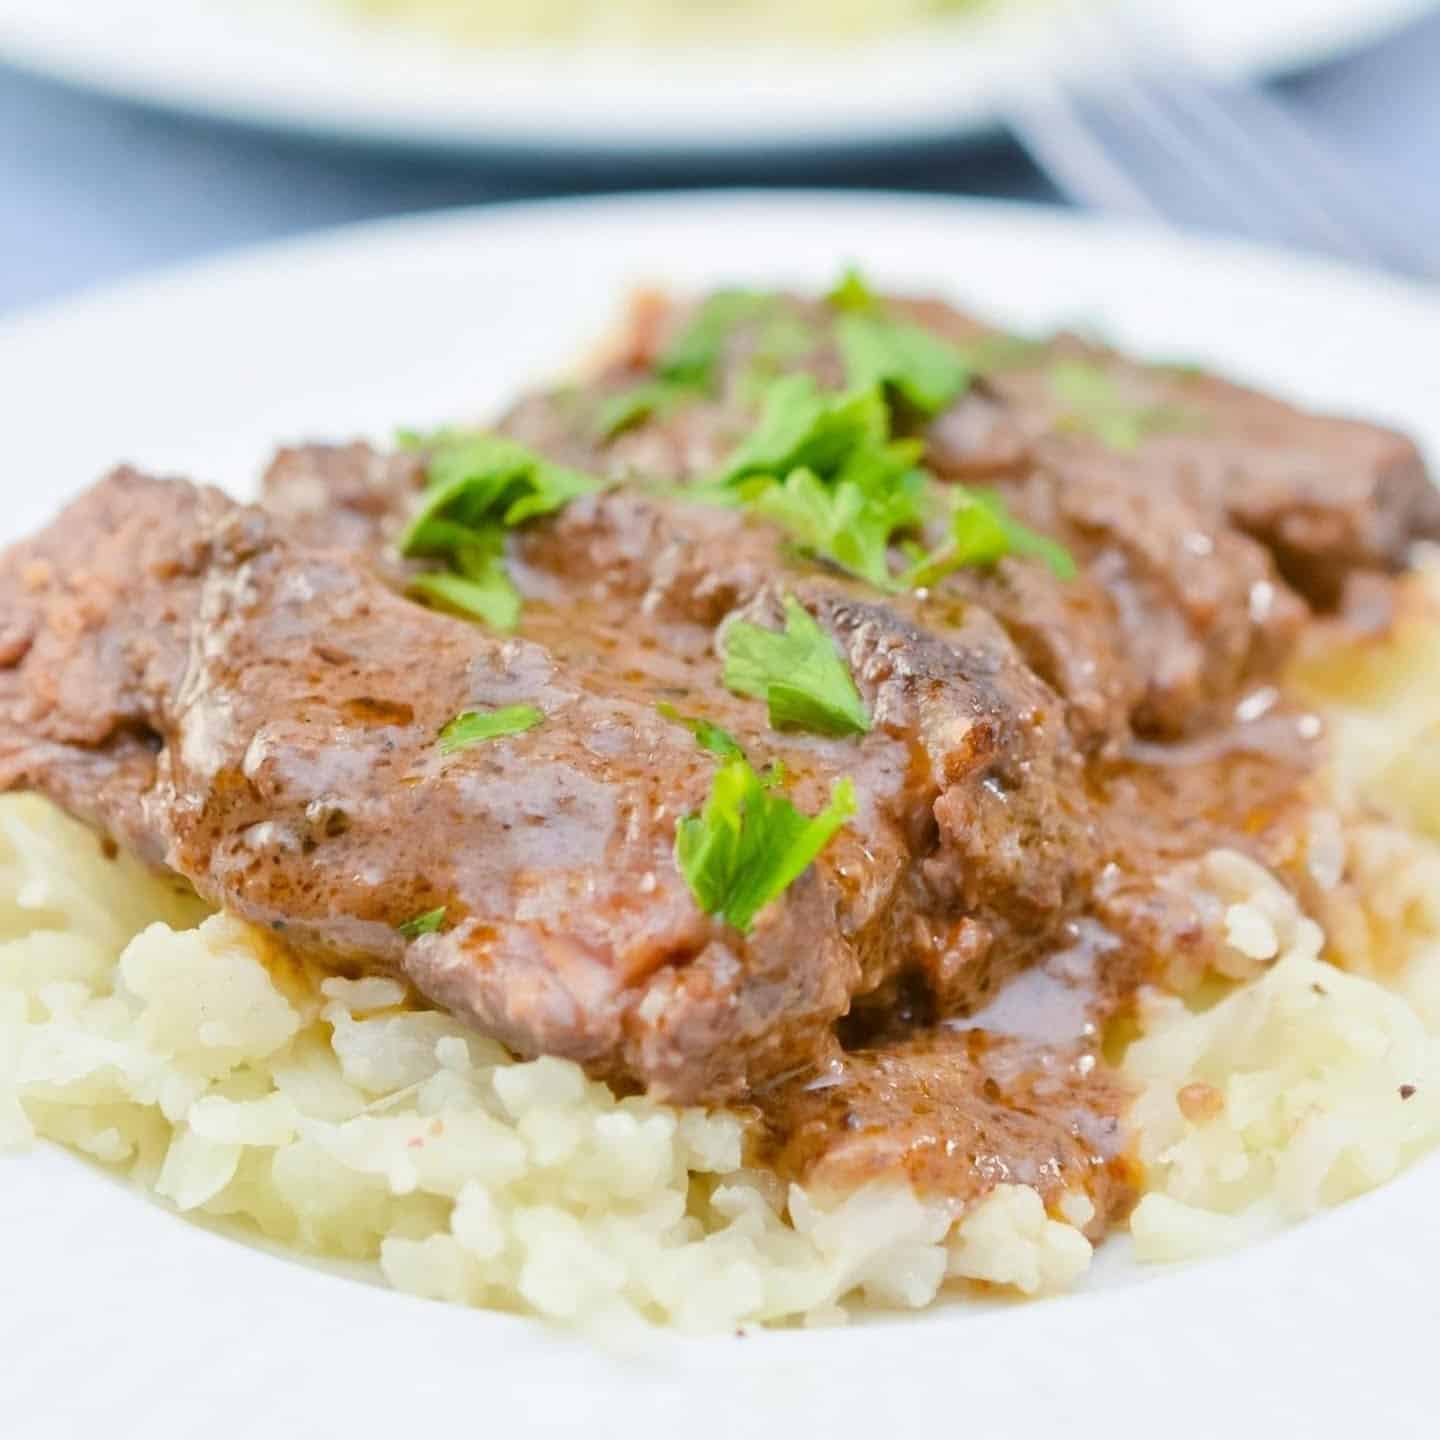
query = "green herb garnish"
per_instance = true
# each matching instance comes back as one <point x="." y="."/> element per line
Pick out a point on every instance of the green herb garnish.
<point x="709" y="736"/>
<point x="824" y="467"/>
<point x="479" y="486"/>
<point x="749" y="843"/>
<point x="694" y="356"/>
<point x="926" y="371"/>
<point x="1094" y="404"/>
<point x="982" y="532"/>
<point x="799" y="673"/>
<point x="802" y="427"/>
<point x="478" y="481"/>
<point x="852" y="292"/>
<point x="843" y="522"/>
<point x="691" y="365"/>
<point x="478" y="585"/>
<point x="426" y="924"/>
<point x="650" y="399"/>
<point x="472" y="726"/>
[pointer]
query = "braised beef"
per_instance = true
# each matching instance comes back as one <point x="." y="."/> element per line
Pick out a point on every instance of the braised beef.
<point x="285" y="684"/>
<point x="247" y="696"/>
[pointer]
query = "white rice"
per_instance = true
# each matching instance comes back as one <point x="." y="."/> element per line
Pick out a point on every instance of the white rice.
<point x="192" y="1053"/>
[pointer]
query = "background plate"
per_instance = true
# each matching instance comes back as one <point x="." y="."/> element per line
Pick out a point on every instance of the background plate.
<point x="119" y="1320"/>
<point x="299" y="65"/>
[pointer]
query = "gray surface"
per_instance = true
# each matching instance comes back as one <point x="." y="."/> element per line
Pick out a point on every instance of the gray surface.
<point x="92" y="191"/>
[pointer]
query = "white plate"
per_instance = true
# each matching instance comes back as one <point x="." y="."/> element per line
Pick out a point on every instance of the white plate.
<point x="118" y="1319"/>
<point x="299" y="65"/>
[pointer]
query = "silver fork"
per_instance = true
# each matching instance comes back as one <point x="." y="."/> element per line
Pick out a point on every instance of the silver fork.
<point x="1126" y="122"/>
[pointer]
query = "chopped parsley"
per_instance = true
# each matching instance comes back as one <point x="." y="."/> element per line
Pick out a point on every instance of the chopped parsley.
<point x="799" y="673"/>
<point x="691" y="366"/>
<point x="802" y="427"/>
<point x="982" y="532"/>
<point x="749" y="843"/>
<point x="479" y="486"/>
<point x="852" y="292"/>
<point x="784" y="338"/>
<point x="823" y="466"/>
<point x="1093" y="404"/>
<point x="471" y="727"/>
<point x="425" y="924"/>
<point x="478" y="481"/>
<point x="648" y="399"/>
<point x="708" y="735"/>
<point x="694" y="356"/>
<point x="926" y="371"/>
<point x="478" y="585"/>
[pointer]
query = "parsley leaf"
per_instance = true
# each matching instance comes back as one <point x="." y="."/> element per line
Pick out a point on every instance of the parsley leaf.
<point x="845" y="522"/>
<point x="1095" y="405"/>
<point x="479" y="585"/>
<point x="470" y="727"/>
<point x="824" y="467"/>
<point x="982" y="532"/>
<point x="800" y="674"/>
<point x="709" y="736"/>
<point x="852" y="292"/>
<point x="802" y="427"/>
<point x="477" y="479"/>
<point x="649" y="399"/>
<point x="926" y="371"/>
<point x="692" y="364"/>
<point x="749" y="843"/>
<point x="425" y="924"/>
<point x="694" y="356"/>
<point x="479" y="486"/>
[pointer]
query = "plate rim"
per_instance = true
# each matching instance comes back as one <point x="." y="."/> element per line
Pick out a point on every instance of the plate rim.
<point x="131" y="74"/>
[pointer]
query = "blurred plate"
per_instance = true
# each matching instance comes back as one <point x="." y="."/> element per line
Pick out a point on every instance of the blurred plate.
<point x="122" y="1320"/>
<point x="303" y="65"/>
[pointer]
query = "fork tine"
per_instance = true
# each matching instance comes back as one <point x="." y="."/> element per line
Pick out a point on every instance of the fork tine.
<point x="1127" y="113"/>
<point x="1049" y="126"/>
<point x="1304" y="176"/>
<point x="1234" y="158"/>
<point x="1104" y="140"/>
<point x="1296" y="153"/>
<point x="1244" y="146"/>
<point x="1124" y="111"/>
<point x="1145" y="109"/>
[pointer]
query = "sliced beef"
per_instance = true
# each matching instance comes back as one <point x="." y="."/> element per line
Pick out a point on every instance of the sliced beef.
<point x="1200" y="538"/>
<point x="1326" y="495"/>
<point x="288" y="702"/>
<point x="75" y="688"/>
<point x="248" y="697"/>
<point x="346" y="497"/>
<point x="1196" y="608"/>
<point x="971" y="886"/>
